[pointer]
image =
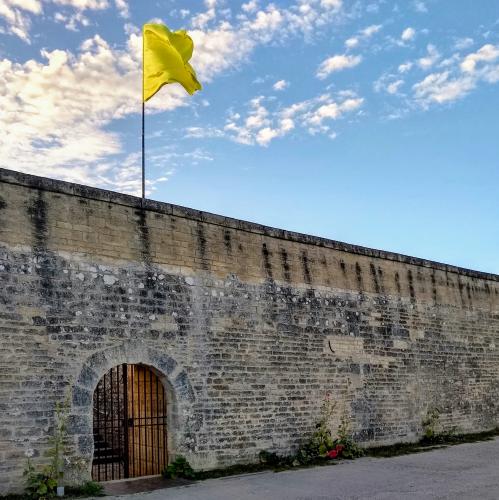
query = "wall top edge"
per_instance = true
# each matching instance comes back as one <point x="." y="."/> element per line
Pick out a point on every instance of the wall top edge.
<point x="112" y="197"/>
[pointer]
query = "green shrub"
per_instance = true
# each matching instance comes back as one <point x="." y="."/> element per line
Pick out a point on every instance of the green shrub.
<point x="180" y="467"/>
<point x="89" y="489"/>
<point x="321" y="441"/>
<point x="433" y="432"/>
<point x="307" y="454"/>
<point x="269" y="459"/>
<point x="39" y="485"/>
<point x="273" y="460"/>
<point x="350" y="448"/>
<point x="430" y="424"/>
<point x="42" y="485"/>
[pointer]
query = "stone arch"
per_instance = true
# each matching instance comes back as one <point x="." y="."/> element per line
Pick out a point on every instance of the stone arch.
<point x="174" y="378"/>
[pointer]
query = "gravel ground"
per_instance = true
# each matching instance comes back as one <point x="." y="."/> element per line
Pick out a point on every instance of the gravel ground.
<point x="467" y="471"/>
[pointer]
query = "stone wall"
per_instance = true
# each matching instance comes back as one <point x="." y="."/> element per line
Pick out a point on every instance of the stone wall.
<point x="248" y="326"/>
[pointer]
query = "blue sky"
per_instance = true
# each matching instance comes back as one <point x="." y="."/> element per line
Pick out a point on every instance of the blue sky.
<point x="372" y="122"/>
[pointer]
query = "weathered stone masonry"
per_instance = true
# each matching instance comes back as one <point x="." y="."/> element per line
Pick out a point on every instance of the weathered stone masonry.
<point x="248" y="327"/>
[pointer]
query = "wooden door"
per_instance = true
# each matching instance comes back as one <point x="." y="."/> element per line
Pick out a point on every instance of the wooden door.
<point x="130" y="427"/>
<point x="147" y="434"/>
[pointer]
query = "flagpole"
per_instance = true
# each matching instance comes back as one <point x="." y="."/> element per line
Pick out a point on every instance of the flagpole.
<point x="143" y="153"/>
<point x="143" y="126"/>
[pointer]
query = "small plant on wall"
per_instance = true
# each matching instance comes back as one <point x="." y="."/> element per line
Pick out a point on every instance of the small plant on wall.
<point x="431" y="423"/>
<point x="345" y="443"/>
<point x="322" y="444"/>
<point x="44" y="484"/>
<point x="433" y="432"/>
<point x="321" y="441"/>
<point x="39" y="485"/>
<point x="180" y="467"/>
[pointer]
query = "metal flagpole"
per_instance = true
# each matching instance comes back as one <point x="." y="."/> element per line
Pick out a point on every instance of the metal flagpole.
<point x="143" y="126"/>
<point x="143" y="153"/>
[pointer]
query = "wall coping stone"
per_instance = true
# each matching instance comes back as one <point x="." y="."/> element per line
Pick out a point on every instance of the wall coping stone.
<point x="82" y="191"/>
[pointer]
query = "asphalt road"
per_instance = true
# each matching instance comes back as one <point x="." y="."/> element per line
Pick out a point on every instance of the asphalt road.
<point x="467" y="471"/>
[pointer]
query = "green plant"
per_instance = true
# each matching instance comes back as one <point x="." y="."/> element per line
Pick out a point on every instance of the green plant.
<point x="322" y="440"/>
<point x="58" y="440"/>
<point x="42" y="485"/>
<point x="39" y="485"/>
<point x="350" y="449"/>
<point x="274" y="461"/>
<point x="430" y="424"/>
<point x="269" y="459"/>
<point x="433" y="432"/>
<point x="88" y="489"/>
<point x="180" y="467"/>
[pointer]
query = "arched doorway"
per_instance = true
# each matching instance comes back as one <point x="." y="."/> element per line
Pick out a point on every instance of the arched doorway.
<point x="129" y="424"/>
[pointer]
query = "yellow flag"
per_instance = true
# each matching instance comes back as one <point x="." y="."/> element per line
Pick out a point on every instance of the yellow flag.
<point x="166" y="56"/>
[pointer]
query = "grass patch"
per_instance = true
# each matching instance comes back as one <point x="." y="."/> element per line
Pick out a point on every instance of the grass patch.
<point x="424" y="445"/>
<point x="91" y="488"/>
<point x="233" y="470"/>
<point x="278" y="464"/>
<point x="428" y="444"/>
<point x="250" y="468"/>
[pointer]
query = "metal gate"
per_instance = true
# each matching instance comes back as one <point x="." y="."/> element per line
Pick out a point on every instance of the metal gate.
<point x="130" y="435"/>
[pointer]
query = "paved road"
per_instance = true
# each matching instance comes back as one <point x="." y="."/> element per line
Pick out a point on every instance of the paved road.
<point x="467" y="471"/>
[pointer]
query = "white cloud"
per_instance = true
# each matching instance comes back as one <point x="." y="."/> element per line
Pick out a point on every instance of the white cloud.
<point x="388" y="83"/>
<point x="461" y="78"/>
<point x="203" y="132"/>
<point x="371" y="30"/>
<point x="364" y="34"/>
<point x="441" y="88"/>
<point x="258" y="116"/>
<point x="420" y="6"/>
<point x="73" y="21"/>
<point x="393" y="87"/>
<point x="255" y="25"/>
<point x="405" y="67"/>
<point x="332" y="4"/>
<point x="262" y="125"/>
<point x="408" y="34"/>
<point x="337" y="63"/>
<point x="55" y="112"/>
<point x="280" y="85"/>
<point x="352" y="42"/>
<point x="215" y="48"/>
<point x="463" y="43"/>
<point x="83" y="4"/>
<point x="17" y="13"/>
<point x="32" y="6"/>
<point x="332" y="111"/>
<point x="202" y="19"/>
<point x="487" y="53"/>
<point x="265" y="135"/>
<point x="122" y="7"/>
<point x="430" y="59"/>
<point x="306" y="17"/>
<point x="269" y="19"/>
<point x="250" y="6"/>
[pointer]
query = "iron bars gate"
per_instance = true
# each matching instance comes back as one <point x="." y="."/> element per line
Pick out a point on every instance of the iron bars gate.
<point x="130" y="434"/>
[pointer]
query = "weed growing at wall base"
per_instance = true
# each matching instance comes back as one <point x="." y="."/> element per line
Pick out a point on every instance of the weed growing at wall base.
<point x="180" y="467"/>
<point x="39" y="485"/>
<point x="42" y="484"/>
<point x="88" y="489"/>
